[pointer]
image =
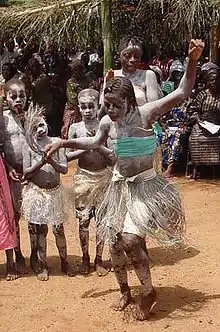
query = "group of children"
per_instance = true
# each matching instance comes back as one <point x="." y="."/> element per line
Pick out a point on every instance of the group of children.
<point x="35" y="184"/>
<point x="115" y="181"/>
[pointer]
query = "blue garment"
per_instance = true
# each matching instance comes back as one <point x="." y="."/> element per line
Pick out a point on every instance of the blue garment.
<point x="126" y="147"/>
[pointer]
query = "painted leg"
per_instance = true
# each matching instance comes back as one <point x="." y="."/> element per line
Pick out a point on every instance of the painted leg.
<point x="42" y="231"/>
<point x="100" y="269"/>
<point x="58" y="231"/>
<point x="120" y="269"/>
<point x="20" y="261"/>
<point x="133" y="246"/>
<point x="143" y="244"/>
<point x="34" y="261"/>
<point x="98" y="263"/>
<point x="11" y="269"/>
<point x="84" y="242"/>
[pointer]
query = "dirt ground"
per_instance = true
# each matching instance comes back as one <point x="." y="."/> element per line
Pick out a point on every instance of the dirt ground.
<point x="187" y="282"/>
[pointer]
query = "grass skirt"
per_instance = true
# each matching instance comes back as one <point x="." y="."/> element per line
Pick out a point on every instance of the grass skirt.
<point x="89" y="188"/>
<point x="153" y="205"/>
<point x="44" y="206"/>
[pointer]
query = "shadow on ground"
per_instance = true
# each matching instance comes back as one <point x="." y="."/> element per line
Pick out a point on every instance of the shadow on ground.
<point x="161" y="256"/>
<point x="176" y="301"/>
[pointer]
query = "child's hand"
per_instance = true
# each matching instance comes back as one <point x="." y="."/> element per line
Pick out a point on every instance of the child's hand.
<point x="196" y="48"/>
<point x="14" y="175"/>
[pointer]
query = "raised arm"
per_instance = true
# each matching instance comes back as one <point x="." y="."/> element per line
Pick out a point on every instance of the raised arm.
<point x="153" y="110"/>
<point x="84" y="143"/>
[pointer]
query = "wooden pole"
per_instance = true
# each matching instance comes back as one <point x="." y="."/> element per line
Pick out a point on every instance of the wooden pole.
<point x="214" y="41"/>
<point x="107" y="33"/>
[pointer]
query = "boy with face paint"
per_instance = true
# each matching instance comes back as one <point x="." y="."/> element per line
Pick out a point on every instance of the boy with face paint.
<point x="14" y="140"/>
<point x="44" y="201"/>
<point x="137" y="201"/>
<point x="92" y="176"/>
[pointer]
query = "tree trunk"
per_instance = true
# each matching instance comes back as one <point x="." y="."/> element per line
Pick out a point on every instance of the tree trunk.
<point x="214" y="43"/>
<point x="107" y="33"/>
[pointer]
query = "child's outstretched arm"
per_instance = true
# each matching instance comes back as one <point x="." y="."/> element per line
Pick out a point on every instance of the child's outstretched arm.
<point x="84" y="143"/>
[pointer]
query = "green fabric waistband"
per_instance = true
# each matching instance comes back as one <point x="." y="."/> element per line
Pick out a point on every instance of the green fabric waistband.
<point x="134" y="146"/>
<point x="157" y="128"/>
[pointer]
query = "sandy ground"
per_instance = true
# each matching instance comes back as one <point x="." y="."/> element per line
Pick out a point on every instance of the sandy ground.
<point x="187" y="282"/>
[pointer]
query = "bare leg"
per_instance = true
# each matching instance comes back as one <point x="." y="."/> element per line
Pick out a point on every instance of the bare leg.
<point x="120" y="269"/>
<point x="100" y="270"/>
<point x="143" y="244"/>
<point x="20" y="261"/>
<point x="42" y="252"/>
<point x="169" y="173"/>
<point x="34" y="261"/>
<point x="84" y="241"/>
<point x="11" y="269"/>
<point x="58" y="231"/>
<point x="133" y="246"/>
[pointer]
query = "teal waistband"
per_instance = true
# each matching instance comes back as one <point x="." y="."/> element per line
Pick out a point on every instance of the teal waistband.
<point x="157" y="129"/>
<point x="135" y="146"/>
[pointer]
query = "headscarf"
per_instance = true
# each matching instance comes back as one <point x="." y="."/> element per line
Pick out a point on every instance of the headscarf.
<point x="209" y="66"/>
<point x="176" y="66"/>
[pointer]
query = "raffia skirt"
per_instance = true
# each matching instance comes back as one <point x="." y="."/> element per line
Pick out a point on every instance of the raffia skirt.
<point x="89" y="188"/>
<point x="143" y="205"/>
<point x="44" y="206"/>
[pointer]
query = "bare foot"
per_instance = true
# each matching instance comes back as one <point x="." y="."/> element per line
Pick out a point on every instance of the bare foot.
<point x="124" y="300"/>
<point x="67" y="269"/>
<point x="43" y="275"/>
<point x="142" y="309"/>
<point x="35" y="264"/>
<point x="21" y="266"/>
<point x="169" y="173"/>
<point x="100" y="270"/>
<point x="11" y="273"/>
<point x="85" y="268"/>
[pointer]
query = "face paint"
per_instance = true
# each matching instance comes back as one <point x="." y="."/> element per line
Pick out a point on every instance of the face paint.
<point x="116" y="107"/>
<point x="42" y="129"/>
<point x="16" y="98"/>
<point x="131" y="58"/>
<point x="88" y="106"/>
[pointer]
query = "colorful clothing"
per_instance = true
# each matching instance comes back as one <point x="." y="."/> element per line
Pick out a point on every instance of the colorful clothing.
<point x="204" y="146"/>
<point x="7" y="222"/>
<point x="173" y="137"/>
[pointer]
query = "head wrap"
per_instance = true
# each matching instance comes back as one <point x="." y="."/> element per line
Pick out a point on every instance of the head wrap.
<point x="177" y="66"/>
<point x="209" y="66"/>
